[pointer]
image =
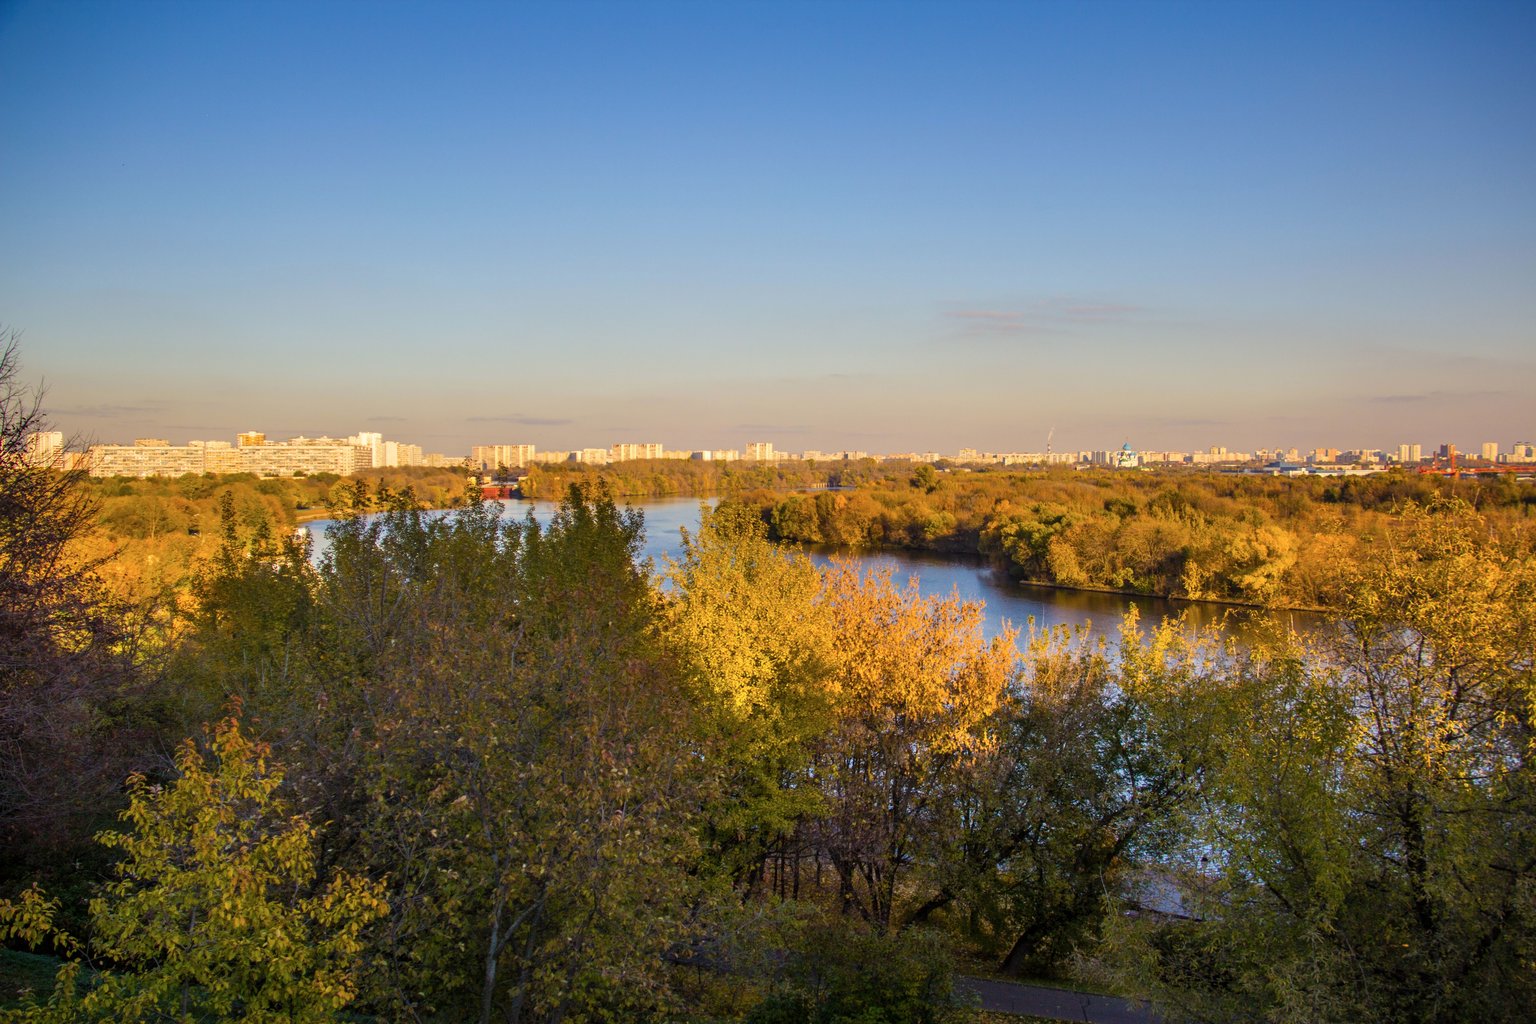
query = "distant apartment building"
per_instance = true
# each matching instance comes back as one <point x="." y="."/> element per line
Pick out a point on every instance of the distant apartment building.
<point x="143" y="460"/>
<point x="716" y="455"/>
<point x="1522" y="451"/>
<point x="309" y="456"/>
<point x="497" y="456"/>
<point x="250" y="439"/>
<point x="398" y="453"/>
<point x="45" y="448"/>
<point x="760" y="451"/>
<point x="630" y="452"/>
<point x="1490" y="451"/>
<point x="373" y="442"/>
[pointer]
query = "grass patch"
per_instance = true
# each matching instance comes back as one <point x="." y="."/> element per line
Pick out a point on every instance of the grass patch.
<point x="24" y="973"/>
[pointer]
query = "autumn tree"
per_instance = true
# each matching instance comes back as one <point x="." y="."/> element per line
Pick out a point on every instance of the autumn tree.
<point x="915" y="684"/>
<point x="745" y="618"/>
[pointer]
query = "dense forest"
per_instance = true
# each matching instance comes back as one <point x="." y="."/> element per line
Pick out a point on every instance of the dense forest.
<point x="464" y="768"/>
<point x="1250" y="539"/>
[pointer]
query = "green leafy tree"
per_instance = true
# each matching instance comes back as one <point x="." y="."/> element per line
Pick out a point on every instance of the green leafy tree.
<point x="247" y="626"/>
<point x="1369" y="804"/>
<point x="215" y="913"/>
<point x="525" y="760"/>
<point x="925" y="478"/>
<point x="1076" y="793"/>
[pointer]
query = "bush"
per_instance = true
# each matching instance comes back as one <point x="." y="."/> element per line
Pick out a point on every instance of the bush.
<point x="845" y="974"/>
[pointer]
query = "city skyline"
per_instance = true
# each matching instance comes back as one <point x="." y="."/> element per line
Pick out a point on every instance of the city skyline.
<point x="256" y="451"/>
<point x="884" y="228"/>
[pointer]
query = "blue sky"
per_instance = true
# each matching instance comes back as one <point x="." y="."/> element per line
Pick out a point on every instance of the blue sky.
<point x="885" y="226"/>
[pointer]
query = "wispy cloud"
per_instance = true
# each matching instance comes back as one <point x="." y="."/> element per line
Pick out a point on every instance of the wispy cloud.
<point x="527" y="421"/>
<point x="1052" y="316"/>
<point x="812" y="380"/>
<point x="982" y="322"/>
<point x="1178" y="422"/>
<point x="990" y="315"/>
<point x="773" y="428"/>
<point x="1486" y="362"/>
<point x="1438" y="396"/>
<point x="385" y="419"/>
<point x="109" y="411"/>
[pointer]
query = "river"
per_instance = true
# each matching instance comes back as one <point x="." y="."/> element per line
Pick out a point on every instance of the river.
<point x="1007" y="603"/>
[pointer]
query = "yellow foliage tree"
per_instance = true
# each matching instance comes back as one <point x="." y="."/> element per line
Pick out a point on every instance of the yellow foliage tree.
<point x="915" y="685"/>
<point x="745" y="618"/>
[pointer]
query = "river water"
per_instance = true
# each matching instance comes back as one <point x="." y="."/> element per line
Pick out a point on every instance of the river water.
<point x="1007" y="603"/>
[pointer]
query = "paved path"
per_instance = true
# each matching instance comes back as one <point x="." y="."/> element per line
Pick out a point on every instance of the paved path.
<point x="1056" y="1003"/>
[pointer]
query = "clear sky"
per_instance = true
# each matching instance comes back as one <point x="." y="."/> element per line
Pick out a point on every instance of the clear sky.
<point x="874" y="225"/>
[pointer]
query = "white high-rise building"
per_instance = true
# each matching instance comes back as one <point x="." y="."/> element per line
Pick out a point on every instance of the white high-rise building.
<point x="374" y="442"/>
<point x="308" y="455"/>
<point x="491" y="457"/>
<point x="398" y="453"/>
<point x="626" y="452"/>
<point x="45" y="448"/>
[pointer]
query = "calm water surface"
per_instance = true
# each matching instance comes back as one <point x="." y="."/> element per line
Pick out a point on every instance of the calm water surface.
<point x="1007" y="603"/>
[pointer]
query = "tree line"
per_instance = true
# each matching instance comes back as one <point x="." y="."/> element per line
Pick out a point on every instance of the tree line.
<point x="1259" y="540"/>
